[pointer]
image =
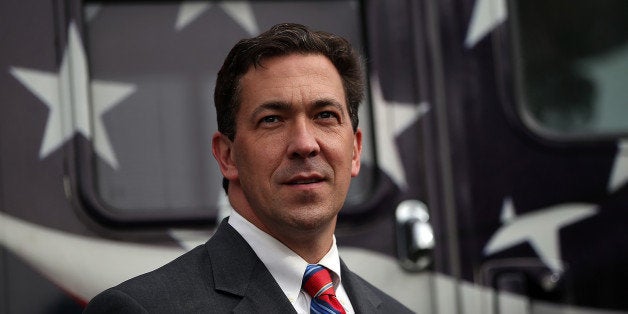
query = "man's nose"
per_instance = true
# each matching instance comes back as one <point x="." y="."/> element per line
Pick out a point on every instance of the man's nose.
<point x="302" y="141"/>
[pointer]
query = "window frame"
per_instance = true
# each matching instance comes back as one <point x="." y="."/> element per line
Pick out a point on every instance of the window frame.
<point x="81" y="181"/>
<point x="508" y="51"/>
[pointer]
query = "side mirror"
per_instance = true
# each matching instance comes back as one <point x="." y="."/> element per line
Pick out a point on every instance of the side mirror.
<point x="415" y="236"/>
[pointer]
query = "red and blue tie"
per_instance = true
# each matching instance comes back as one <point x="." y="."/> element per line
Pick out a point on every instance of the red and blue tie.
<point x="318" y="284"/>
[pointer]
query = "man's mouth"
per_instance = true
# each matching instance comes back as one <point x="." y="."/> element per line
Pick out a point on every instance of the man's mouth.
<point x="304" y="181"/>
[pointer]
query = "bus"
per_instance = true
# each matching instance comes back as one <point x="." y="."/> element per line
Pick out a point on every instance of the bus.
<point x="494" y="170"/>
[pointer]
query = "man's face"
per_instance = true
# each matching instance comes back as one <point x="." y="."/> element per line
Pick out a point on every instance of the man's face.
<point x="295" y="151"/>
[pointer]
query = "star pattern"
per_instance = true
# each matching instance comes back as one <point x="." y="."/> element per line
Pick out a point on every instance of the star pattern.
<point x="46" y="87"/>
<point x="67" y="96"/>
<point x="91" y="10"/>
<point x="239" y="11"/>
<point x="619" y="174"/>
<point x="487" y="14"/>
<point x="189" y="11"/>
<point x="539" y="228"/>
<point x="391" y="119"/>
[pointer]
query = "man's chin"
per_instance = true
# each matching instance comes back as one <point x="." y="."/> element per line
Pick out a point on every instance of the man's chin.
<point x="313" y="220"/>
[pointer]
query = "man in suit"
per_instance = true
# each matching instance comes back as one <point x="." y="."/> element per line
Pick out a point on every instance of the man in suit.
<point x="288" y="144"/>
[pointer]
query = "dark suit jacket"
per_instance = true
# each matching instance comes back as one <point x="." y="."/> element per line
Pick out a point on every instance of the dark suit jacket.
<point x="223" y="275"/>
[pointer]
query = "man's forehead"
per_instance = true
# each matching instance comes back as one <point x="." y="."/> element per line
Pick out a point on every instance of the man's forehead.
<point x="295" y="58"/>
<point x="293" y="71"/>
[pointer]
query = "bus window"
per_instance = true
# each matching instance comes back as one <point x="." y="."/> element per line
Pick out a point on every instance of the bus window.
<point x="158" y="138"/>
<point x="572" y="63"/>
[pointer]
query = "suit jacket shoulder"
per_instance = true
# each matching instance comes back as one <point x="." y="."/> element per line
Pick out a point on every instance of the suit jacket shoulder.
<point x="366" y="298"/>
<point x="223" y="275"/>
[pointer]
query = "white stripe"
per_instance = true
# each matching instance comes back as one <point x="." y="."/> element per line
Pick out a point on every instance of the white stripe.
<point x="323" y="289"/>
<point x="324" y="308"/>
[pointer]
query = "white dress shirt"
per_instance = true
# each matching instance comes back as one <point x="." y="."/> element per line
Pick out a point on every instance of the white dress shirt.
<point x="287" y="267"/>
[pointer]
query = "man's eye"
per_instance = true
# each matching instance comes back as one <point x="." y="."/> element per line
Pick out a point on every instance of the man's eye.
<point x="326" y="115"/>
<point x="270" y="119"/>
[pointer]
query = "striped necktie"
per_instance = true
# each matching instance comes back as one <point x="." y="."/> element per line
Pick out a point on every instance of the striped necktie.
<point x="318" y="284"/>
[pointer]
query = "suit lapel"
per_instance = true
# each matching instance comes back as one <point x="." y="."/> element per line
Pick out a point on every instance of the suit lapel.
<point x="362" y="298"/>
<point x="237" y="270"/>
<point x="264" y="295"/>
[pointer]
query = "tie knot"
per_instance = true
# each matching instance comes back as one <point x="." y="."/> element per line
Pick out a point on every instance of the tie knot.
<point x="317" y="281"/>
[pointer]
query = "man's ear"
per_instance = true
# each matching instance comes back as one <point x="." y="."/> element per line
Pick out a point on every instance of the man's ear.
<point x="357" y="152"/>
<point x="222" y="147"/>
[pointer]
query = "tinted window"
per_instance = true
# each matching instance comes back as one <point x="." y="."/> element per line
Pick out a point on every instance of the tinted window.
<point x="167" y="54"/>
<point x="572" y="58"/>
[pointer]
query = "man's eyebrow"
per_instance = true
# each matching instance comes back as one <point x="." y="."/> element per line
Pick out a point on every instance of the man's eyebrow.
<point x="280" y="106"/>
<point x="271" y="106"/>
<point x="329" y="102"/>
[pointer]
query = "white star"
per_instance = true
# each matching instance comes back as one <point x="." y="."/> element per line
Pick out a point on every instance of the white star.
<point x="67" y="95"/>
<point x="508" y="211"/>
<point x="46" y="87"/>
<point x="91" y="10"/>
<point x="391" y="119"/>
<point x="539" y="228"/>
<point x="240" y="11"/>
<point x="487" y="14"/>
<point x="106" y="95"/>
<point x="619" y="174"/>
<point x="189" y="11"/>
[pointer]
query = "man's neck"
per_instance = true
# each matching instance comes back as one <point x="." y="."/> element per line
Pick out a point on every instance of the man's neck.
<point x="311" y="245"/>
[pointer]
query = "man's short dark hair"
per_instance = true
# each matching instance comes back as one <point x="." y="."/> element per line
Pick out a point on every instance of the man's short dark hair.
<point x="282" y="40"/>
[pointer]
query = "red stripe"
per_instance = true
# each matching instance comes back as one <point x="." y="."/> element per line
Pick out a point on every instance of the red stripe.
<point x="317" y="281"/>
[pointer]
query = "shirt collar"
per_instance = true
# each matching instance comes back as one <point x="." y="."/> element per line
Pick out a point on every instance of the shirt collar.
<point x="283" y="264"/>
